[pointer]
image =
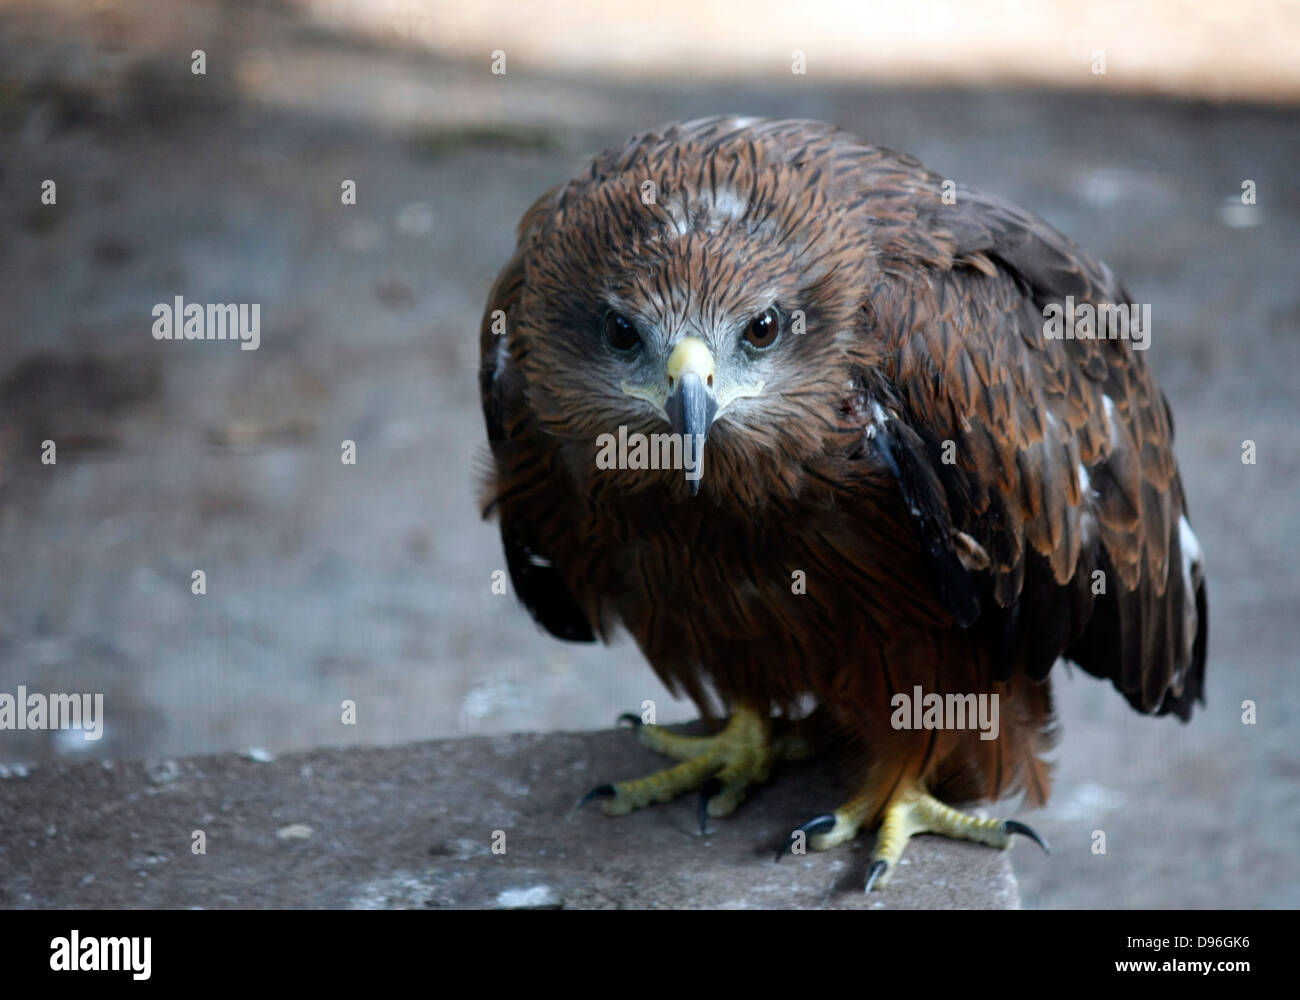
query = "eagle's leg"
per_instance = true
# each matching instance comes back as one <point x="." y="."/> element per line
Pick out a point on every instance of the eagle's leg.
<point x="725" y="765"/>
<point x="798" y="742"/>
<point x="910" y="811"/>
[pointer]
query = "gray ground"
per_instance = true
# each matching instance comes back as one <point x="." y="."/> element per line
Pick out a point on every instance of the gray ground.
<point x="371" y="582"/>
<point x="483" y="822"/>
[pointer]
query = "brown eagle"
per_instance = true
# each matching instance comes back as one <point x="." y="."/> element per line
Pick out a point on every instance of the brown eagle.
<point x="919" y="482"/>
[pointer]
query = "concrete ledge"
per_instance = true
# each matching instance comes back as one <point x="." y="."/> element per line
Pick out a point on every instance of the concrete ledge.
<point x="413" y="826"/>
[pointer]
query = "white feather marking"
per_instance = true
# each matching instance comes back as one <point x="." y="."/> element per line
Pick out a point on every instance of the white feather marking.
<point x="680" y="213"/>
<point x="1087" y="517"/>
<point x="1191" y="549"/>
<point x="879" y="417"/>
<point x="1190" y="546"/>
<point x="502" y="356"/>
<point x="1111" y="421"/>
<point x="728" y="204"/>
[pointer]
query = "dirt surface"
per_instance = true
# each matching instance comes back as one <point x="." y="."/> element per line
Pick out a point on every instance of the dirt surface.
<point x="372" y="582"/>
<point x="482" y="823"/>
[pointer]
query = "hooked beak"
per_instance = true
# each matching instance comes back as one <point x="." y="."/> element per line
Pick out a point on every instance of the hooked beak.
<point x="691" y="404"/>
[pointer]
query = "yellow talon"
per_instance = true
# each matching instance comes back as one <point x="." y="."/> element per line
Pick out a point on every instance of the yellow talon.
<point x="910" y="812"/>
<point x="738" y="757"/>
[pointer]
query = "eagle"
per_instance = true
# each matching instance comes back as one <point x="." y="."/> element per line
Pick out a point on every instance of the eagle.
<point x="802" y="417"/>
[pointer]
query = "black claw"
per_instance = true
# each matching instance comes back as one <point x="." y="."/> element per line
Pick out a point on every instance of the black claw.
<point x="1015" y="826"/>
<point x="629" y="717"/>
<point x="599" y="792"/>
<point x="707" y="790"/>
<point x="878" y="868"/>
<point x="818" y="824"/>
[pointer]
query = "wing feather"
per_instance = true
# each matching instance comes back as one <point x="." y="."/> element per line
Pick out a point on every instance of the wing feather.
<point x="1064" y="449"/>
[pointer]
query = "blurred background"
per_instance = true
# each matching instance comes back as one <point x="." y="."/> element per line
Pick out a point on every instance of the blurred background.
<point x="1131" y="127"/>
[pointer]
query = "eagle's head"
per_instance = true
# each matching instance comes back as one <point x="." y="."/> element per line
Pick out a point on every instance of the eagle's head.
<point x="712" y="286"/>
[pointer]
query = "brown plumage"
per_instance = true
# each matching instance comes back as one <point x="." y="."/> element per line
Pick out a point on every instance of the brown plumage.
<point x="947" y="479"/>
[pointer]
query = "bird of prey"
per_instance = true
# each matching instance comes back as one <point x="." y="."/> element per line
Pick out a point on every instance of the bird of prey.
<point x="889" y="476"/>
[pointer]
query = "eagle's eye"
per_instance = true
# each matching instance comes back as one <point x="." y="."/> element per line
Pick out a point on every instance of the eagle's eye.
<point x="763" y="329"/>
<point x="620" y="332"/>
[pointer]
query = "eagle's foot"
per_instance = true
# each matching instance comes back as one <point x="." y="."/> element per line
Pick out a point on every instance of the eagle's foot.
<point x="919" y="812"/>
<point x="907" y="814"/>
<point x="722" y="767"/>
